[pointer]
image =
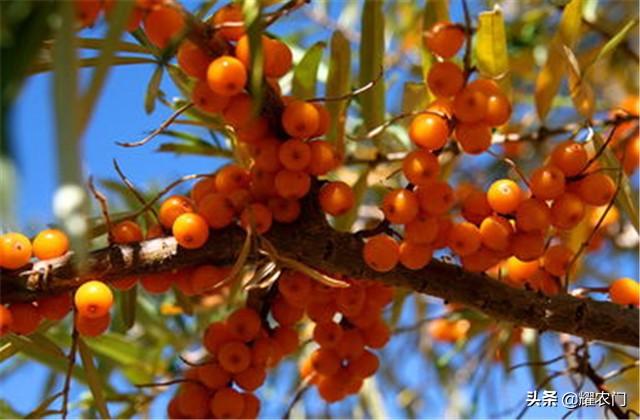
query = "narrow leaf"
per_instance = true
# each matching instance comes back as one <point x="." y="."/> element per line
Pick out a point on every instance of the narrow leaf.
<point x="614" y="41"/>
<point x="152" y="90"/>
<point x="93" y="379"/>
<point x="251" y="10"/>
<point x="39" y="411"/>
<point x="491" y="46"/>
<point x="128" y="301"/>
<point x="338" y="81"/>
<point x="305" y="74"/>
<point x="580" y="89"/>
<point x="372" y="101"/>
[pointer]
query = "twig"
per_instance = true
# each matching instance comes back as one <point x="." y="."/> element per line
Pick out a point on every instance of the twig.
<point x="354" y="92"/>
<point x="133" y="189"/>
<point x="513" y="165"/>
<point x="167" y="383"/>
<point x="467" y="29"/>
<point x="302" y="388"/>
<point x="104" y="206"/>
<point x="537" y="363"/>
<point x="160" y="129"/>
<point x="375" y="131"/>
<point x="67" y="379"/>
<point x="287" y="8"/>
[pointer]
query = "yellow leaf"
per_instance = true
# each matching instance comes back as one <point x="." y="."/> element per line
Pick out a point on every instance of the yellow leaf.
<point x="491" y="46"/>
<point x="580" y="89"/>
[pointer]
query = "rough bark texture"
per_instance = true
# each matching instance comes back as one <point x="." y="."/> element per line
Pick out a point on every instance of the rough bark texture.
<point x="313" y="242"/>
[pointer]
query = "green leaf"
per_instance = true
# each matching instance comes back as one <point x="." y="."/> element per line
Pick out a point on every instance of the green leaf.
<point x="44" y="66"/>
<point x="550" y="77"/>
<point x="613" y="42"/>
<point x="346" y="221"/>
<point x="128" y="303"/>
<point x="305" y="74"/>
<point x="338" y="84"/>
<point x="39" y="411"/>
<point x="121" y="46"/>
<point x="8" y="350"/>
<point x="93" y="379"/>
<point x="491" y="46"/>
<point x="194" y="149"/>
<point x="152" y="90"/>
<point x="372" y="101"/>
<point x="45" y="343"/>
<point x="8" y="185"/>
<point x="625" y="198"/>
<point x="252" y="10"/>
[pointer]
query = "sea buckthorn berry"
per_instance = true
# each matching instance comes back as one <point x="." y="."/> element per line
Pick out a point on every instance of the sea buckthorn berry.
<point x="597" y="189"/>
<point x="263" y="184"/>
<point x="135" y="16"/>
<point x="125" y="283"/>
<point x="381" y="253"/>
<point x="323" y="158"/>
<point x="216" y="334"/>
<point x="400" y="206"/>
<point x="420" y="166"/>
<point x="229" y="22"/>
<point x="193" y="60"/>
<point x="547" y="183"/>
<point x="415" y="256"/>
<point x="55" y="307"/>
<point x="300" y="119"/>
<point x="448" y="331"/>
<point x="442" y="238"/>
<point x="319" y="311"/>
<point x="429" y="131"/>
<point x="475" y="207"/>
<point x="251" y="407"/>
<point x="226" y="76"/>
<point x="609" y="216"/>
<point x="533" y="215"/>
<point x="444" y="39"/>
<point x="546" y="283"/>
<point x="325" y="119"/>
<point x="173" y="207"/>
<point x="470" y="105"/>
<point x="240" y="199"/>
<point x="631" y="156"/>
<point x="556" y="259"/>
<point x="261" y="351"/>
<point x="570" y="157"/>
<point x="496" y="232"/>
<point x="351" y="344"/>
<point x="252" y="132"/>
<point x="234" y="356"/>
<point x="157" y="283"/>
<point x="351" y="300"/>
<point x="92" y="327"/>
<point x="481" y="260"/>
<point x="231" y="178"/>
<point x="93" y="299"/>
<point x="625" y="291"/>
<point x="126" y="232"/>
<point x="292" y="184"/>
<point x="435" y="197"/>
<point x="213" y="376"/>
<point x="6" y="320"/>
<point x="330" y="389"/>
<point x="207" y="100"/>
<point x="239" y="111"/>
<point x="244" y="323"/>
<point x="504" y="196"/>
<point x="87" y="11"/>
<point x="567" y="211"/>
<point x="295" y="154"/>
<point x="15" y="250"/>
<point x="376" y="335"/>
<point x="190" y="230"/>
<point x="227" y="403"/>
<point x="421" y="230"/>
<point x="336" y="198"/>
<point x="284" y="210"/>
<point x="265" y="155"/>
<point x="25" y="318"/>
<point x="474" y="138"/>
<point x="154" y="231"/>
<point x="284" y="313"/>
<point x="519" y="271"/>
<point x="364" y="366"/>
<point x="278" y="58"/>
<point x="464" y="238"/>
<point x="50" y="243"/>
<point x="193" y="400"/>
<point x="327" y="334"/>
<point x="206" y="277"/>
<point x="258" y="216"/>
<point x="498" y="110"/>
<point x="445" y="79"/>
<point x="325" y="361"/>
<point x="487" y="86"/>
<point x="295" y="288"/>
<point x="442" y="107"/>
<point x="217" y="210"/>
<point x="527" y="246"/>
<point x="251" y="378"/>
<point x="162" y="24"/>
<point x="287" y="339"/>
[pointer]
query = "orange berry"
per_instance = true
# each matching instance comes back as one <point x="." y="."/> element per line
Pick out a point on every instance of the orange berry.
<point x="217" y="210"/>
<point x="325" y="120"/>
<point x="612" y="216"/>
<point x="265" y="155"/>
<point x="364" y="366"/>
<point x="234" y="356"/>
<point x="162" y="24"/>
<point x="533" y="215"/>
<point x="567" y="211"/>
<point x="6" y="320"/>
<point x="444" y="39"/>
<point x="631" y="159"/>
<point x="295" y="154"/>
<point x="498" y="110"/>
<point x="376" y="335"/>
<point x="429" y="131"/>
<point x="157" y="283"/>
<point x="190" y="230"/>
<point x="253" y="131"/>
<point x="300" y="119"/>
<point x="213" y="376"/>
<point x="251" y="378"/>
<point x="292" y="184"/>
<point x="229" y="22"/>
<point x="527" y="246"/>
<point x="278" y="58"/>
<point x="435" y="197"/>
<point x="481" y="260"/>
<point x="25" y="318"/>
<point x="400" y="206"/>
<point x="193" y="400"/>
<point x="226" y="76"/>
<point x="284" y="210"/>
<point x="125" y="283"/>
<point x="216" y="334"/>
<point x="244" y="323"/>
<point x="519" y="271"/>
<point x="556" y="259"/>
<point x="597" y="189"/>
<point x="263" y="184"/>
<point x="193" y="60"/>
<point x="15" y="250"/>
<point x="286" y="338"/>
<point x="285" y="313"/>
<point x="625" y="291"/>
<point x="93" y="299"/>
<point x="295" y="288"/>
<point x="442" y="237"/>
<point x="351" y="345"/>
<point x="474" y="138"/>
<point x="420" y="167"/>
<point x="207" y="100"/>
<point x="323" y="158"/>
<point x="325" y="361"/>
<point x="504" y="196"/>
<point x="464" y="238"/>
<point x="445" y="79"/>
<point x="319" y="311"/>
<point x="55" y="307"/>
<point x="475" y="207"/>
<point x="470" y="105"/>
<point x="92" y="327"/>
<point x="336" y="198"/>
<point x="50" y="243"/>
<point x="240" y="199"/>
<point x="239" y="111"/>
<point x="350" y="300"/>
<point x="126" y="232"/>
<point x="547" y="183"/>
<point x="173" y="207"/>
<point x="231" y="178"/>
<point x="421" y="230"/>
<point x="442" y="106"/>
<point x="227" y="403"/>
<point x="570" y="157"/>
<point x="381" y="253"/>
<point x="251" y="407"/>
<point x="414" y="256"/>
<point x="87" y="11"/>
<point x="206" y="277"/>
<point x="496" y="232"/>
<point x="154" y="231"/>
<point x="330" y="389"/>
<point x="327" y="334"/>
<point x="258" y="216"/>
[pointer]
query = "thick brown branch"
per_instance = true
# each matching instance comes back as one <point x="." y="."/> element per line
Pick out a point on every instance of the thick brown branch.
<point x="313" y="242"/>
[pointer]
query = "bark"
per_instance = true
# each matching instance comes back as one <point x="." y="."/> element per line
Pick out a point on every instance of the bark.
<point x="313" y="242"/>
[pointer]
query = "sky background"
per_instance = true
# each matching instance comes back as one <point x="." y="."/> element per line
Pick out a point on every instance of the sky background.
<point x="120" y="116"/>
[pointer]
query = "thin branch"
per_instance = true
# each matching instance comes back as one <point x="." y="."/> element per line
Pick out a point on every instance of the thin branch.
<point x="286" y="9"/>
<point x="133" y="188"/>
<point x="160" y="129"/>
<point x="513" y="166"/>
<point x="167" y="383"/>
<point x="104" y="206"/>
<point x="302" y="388"/>
<point x="536" y="363"/>
<point x="67" y="379"/>
<point x="353" y="93"/>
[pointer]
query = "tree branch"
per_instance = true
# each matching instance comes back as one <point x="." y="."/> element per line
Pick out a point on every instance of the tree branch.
<point x="311" y="241"/>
